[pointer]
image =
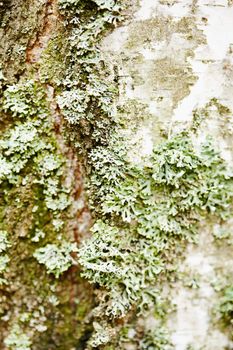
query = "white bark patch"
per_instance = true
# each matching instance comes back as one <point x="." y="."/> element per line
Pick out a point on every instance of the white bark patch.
<point x="209" y="63"/>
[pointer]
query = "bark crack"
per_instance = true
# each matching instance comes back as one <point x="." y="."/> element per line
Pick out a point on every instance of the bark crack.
<point x="39" y="43"/>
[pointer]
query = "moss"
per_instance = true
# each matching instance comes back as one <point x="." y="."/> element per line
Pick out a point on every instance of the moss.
<point x="53" y="59"/>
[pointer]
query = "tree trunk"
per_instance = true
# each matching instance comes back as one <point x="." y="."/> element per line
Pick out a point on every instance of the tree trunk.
<point x="116" y="174"/>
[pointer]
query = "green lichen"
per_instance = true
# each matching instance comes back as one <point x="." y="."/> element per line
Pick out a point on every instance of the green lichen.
<point x="4" y="257"/>
<point x="223" y="232"/>
<point x="146" y="213"/>
<point x="156" y="340"/>
<point x="57" y="259"/>
<point x="18" y="340"/>
<point x="225" y="308"/>
<point x="28" y="144"/>
<point x="25" y="99"/>
<point x="34" y="207"/>
<point x="143" y="214"/>
<point x="3" y="262"/>
<point x="123" y="264"/>
<point x="4" y="242"/>
<point x="88" y="88"/>
<point x="226" y="305"/>
<point x="102" y="335"/>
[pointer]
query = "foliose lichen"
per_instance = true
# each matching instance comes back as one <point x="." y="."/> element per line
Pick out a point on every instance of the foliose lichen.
<point x="88" y="88"/>
<point x="225" y="308"/>
<point x="18" y="340"/>
<point x="35" y="202"/>
<point x="157" y="339"/>
<point x="144" y="213"/>
<point x="57" y="259"/>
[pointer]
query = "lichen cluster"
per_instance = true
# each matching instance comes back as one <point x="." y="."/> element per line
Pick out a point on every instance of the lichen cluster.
<point x="56" y="259"/>
<point x="143" y="214"/>
<point x="157" y="339"/>
<point x="88" y="88"/>
<point x="28" y="147"/>
<point x="34" y="186"/>
<point x="18" y="340"/>
<point x="225" y="307"/>
<point x="34" y="207"/>
<point x="146" y="212"/>
<point x="4" y="258"/>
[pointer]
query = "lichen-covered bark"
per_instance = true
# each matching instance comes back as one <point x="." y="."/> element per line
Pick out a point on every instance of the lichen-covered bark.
<point x="42" y="200"/>
<point x="116" y="178"/>
<point x="175" y="68"/>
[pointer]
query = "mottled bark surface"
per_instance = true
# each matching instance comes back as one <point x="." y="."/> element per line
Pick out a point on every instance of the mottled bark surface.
<point x="37" y="309"/>
<point x="116" y="180"/>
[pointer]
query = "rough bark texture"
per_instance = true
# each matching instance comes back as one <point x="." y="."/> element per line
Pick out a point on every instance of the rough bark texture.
<point x="116" y="179"/>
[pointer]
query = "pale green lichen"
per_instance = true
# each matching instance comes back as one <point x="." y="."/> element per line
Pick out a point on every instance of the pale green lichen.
<point x="18" y="340"/>
<point x="4" y="258"/>
<point x="91" y="111"/>
<point x="223" y="231"/>
<point x="145" y="212"/>
<point x="142" y="212"/>
<point x="57" y="259"/>
<point x="225" y="308"/>
<point x="124" y="265"/>
<point x="39" y="234"/>
<point x="28" y="144"/>
<point x="213" y="110"/>
<point x="24" y="100"/>
<point x="36" y="181"/>
<point x="3" y="262"/>
<point x="157" y="339"/>
<point x="4" y="242"/>
<point x="35" y="205"/>
<point x="103" y="334"/>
